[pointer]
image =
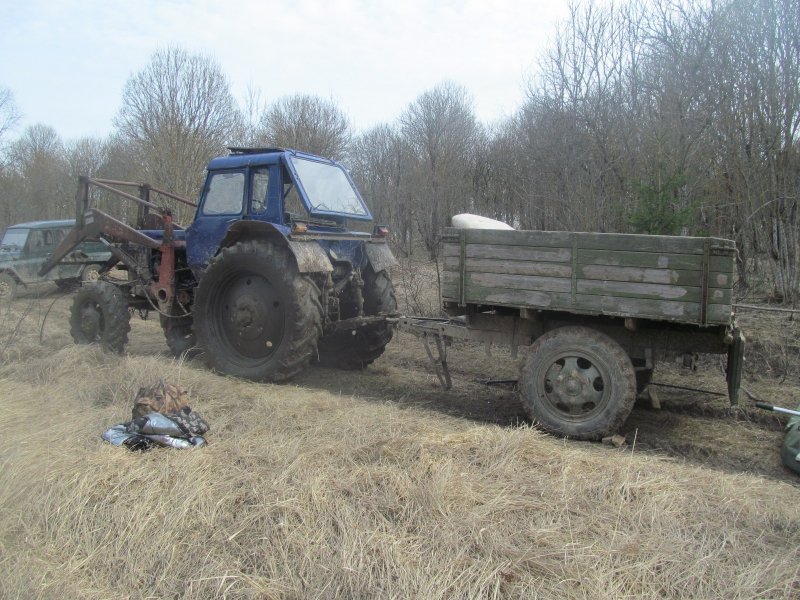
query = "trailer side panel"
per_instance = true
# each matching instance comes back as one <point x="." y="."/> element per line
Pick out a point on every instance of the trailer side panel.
<point x="681" y="279"/>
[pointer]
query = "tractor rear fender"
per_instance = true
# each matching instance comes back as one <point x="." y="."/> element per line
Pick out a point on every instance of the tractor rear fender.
<point x="309" y="256"/>
<point x="380" y="256"/>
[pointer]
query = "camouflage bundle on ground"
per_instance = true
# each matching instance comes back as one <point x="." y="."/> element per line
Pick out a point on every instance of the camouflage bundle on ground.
<point x="165" y="398"/>
<point x="161" y="417"/>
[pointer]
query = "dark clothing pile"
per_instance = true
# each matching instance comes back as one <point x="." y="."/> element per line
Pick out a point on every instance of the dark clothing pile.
<point x="177" y="430"/>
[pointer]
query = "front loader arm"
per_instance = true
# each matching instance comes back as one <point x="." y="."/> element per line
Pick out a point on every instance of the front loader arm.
<point x="91" y="223"/>
<point x="96" y="224"/>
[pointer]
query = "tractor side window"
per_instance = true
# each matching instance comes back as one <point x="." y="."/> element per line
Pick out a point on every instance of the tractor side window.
<point x="225" y="194"/>
<point x="292" y="205"/>
<point x="258" y="201"/>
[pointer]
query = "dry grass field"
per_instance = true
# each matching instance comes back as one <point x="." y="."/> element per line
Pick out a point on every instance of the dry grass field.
<point x="378" y="483"/>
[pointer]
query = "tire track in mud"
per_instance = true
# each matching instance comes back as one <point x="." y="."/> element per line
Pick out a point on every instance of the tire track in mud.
<point x="690" y="426"/>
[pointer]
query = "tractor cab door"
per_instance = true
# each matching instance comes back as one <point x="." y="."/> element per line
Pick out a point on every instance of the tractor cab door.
<point x="221" y="204"/>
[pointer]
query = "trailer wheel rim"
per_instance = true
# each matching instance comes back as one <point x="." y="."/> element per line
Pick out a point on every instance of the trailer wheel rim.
<point x="573" y="385"/>
<point x="252" y="315"/>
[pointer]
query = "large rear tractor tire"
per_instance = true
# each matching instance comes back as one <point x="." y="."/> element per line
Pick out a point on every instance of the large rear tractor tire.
<point x="579" y="383"/>
<point x="99" y="315"/>
<point x="358" y="348"/>
<point x="255" y="316"/>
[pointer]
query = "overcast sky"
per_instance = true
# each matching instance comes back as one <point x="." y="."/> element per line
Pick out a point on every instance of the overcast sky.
<point x="66" y="61"/>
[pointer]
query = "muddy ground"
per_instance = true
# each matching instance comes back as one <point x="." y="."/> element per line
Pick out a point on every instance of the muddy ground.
<point x="692" y="426"/>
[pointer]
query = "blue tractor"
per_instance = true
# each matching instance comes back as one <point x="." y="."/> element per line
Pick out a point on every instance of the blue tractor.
<point x="269" y="276"/>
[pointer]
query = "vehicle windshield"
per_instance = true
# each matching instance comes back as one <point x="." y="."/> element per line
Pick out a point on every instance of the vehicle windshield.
<point x="328" y="188"/>
<point x="14" y="239"/>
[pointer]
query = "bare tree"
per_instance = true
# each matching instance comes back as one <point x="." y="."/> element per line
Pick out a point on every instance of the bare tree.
<point x="178" y="112"/>
<point x="307" y="123"/>
<point x="759" y="170"/>
<point x="9" y="116"/>
<point x="441" y="130"/>
<point x="497" y="175"/>
<point x="379" y="160"/>
<point x="86" y="156"/>
<point x="39" y="175"/>
<point x="9" y="113"/>
<point x="577" y="124"/>
<point x="253" y="107"/>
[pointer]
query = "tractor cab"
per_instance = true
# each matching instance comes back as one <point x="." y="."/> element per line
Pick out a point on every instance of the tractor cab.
<point x="287" y="189"/>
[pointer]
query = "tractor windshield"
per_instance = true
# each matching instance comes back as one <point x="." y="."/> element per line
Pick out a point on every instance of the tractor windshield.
<point x="329" y="189"/>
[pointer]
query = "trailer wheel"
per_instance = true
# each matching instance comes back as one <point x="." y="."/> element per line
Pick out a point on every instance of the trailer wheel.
<point x="100" y="315"/>
<point x="179" y="335"/>
<point x="255" y="316"/>
<point x="358" y="348"/>
<point x="578" y="382"/>
<point x="8" y="287"/>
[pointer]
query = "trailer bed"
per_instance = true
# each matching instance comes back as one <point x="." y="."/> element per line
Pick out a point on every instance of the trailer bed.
<point x="666" y="278"/>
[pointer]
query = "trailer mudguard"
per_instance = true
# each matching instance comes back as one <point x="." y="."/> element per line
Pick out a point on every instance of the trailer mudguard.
<point x="380" y="256"/>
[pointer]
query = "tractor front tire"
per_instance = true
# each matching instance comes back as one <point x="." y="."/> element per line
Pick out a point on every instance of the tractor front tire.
<point x="255" y="316"/>
<point x="99" y="315"/>
<point x="180" y="336"/>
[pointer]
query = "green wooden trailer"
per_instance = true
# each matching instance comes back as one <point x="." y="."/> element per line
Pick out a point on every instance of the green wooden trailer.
<point x="597" y="311"/>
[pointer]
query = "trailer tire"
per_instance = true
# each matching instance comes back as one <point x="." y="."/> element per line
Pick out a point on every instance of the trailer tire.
<point x="356" y="349"/>
<point x="578" y="382"/>
<point x="99" y="315"/>
<point x="255" y="316"/>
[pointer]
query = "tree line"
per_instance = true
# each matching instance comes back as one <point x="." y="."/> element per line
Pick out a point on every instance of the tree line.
<point x="663" y="117"/>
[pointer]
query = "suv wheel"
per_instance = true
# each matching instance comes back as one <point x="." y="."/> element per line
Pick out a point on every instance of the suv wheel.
<point x="8" y="287"/>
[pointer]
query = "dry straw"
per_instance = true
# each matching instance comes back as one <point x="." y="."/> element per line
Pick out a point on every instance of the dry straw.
<point x="306" y="493"/>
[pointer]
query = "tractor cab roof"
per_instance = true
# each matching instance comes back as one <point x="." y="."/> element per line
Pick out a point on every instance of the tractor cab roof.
<point x="245" y="157"/>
